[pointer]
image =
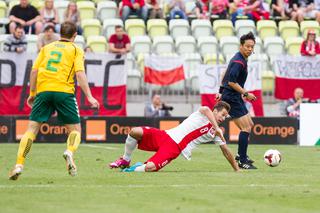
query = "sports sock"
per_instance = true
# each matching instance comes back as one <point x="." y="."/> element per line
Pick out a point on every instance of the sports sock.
<point x="25" y="146"/>
<point x="140" y="168"/>
<point x="73" y="141"/>
<point x="130" y="145"/>
<point x="243" y="145"/>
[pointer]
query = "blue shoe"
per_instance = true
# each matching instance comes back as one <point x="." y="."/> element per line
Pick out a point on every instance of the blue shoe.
<point x="132" y="168"/>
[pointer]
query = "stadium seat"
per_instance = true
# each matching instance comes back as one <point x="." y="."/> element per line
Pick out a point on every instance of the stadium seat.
<point x="222" y="28"/>
<point x="268" y="78"/>
<point x="229" y="45"/>
<point x="107" y="10"/>
<point x="91" y="27"/>
<point x="3" y="23"/>
<point x="244" y="26"/>
<point x="12" y="3"/>
<point x="157" y="27"/>
<point x="32" y="43"/>
<point x="163" y="44"/>
<point x="208" y="44"/>
<point x="185" y="44"/>
<point x="135" y="27"/>
<point x="108" y="26"/>
<point x="37" y="4"/>
<point x="179" y="27"/>
<point x="87" y="9"/>
<point x="61" y="7"/>
<point x="263" y="59"/>
<point x="192" y="61"/>
<point x="212" y="58"/>
<point x="133" y="80"/>
<point x="201" y="27"/>
<point x="80" y="42"/>
<point x="140" y="44"/>
<point x="307" y="25"/>
<point x="3" y="9"/>
<point x="266" y="28"/>
<point x="3" y="38"/>
<point x="97" y="43"/>
<point x="274" y="46"/>
<point x="293" y="45"/>
<point x="258" y="47"/>
<point x="288" y="29"/>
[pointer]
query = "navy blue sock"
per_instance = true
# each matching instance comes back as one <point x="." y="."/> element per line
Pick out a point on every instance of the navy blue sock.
<point x="243" y="145"/>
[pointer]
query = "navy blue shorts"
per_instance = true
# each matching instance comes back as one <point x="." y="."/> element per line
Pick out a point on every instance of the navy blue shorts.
<point x="238" y="107"/>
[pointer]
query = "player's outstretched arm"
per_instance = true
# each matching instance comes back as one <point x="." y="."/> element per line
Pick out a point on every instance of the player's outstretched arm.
<point x="209" y="114"/>
<point x="83" y="83"/>
<point x="229" y="156"/>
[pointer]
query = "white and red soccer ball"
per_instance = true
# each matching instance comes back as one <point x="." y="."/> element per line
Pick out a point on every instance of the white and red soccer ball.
<point x="272" y="157"/>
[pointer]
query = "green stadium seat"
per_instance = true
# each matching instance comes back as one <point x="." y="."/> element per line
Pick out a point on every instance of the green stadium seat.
<point x="222" y="28"/>
<point x="87" y="9"/>
<point x="91" y="27"/>
<point x="3" y="9"/>
<point x="157" y="27"/>
<point x="98" y="44"/>
<point x="212" y="58"/>
<point x="288" y="29"/>
<point x="293" y="45"/>
<point x="308" y="25"/>
<point x="266" y="28"/>
<point x="268" y="78"/>
<point x="135" y="27"/>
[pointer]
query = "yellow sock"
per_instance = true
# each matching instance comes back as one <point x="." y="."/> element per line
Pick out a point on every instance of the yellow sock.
<point x="73" y="141"/>
<point x="25" y="146"/>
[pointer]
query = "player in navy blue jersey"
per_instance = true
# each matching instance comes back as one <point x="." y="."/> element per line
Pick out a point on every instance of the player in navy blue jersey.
<point x="232" y="90"/>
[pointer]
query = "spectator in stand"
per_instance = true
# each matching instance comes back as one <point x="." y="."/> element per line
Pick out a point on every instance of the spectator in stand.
<point x="134" y="7"/>
<point x="258" y="11"/>
<point x="310" y="47"/>
<point x="27" y="16"/>
<point x="253" y="9"/>
<point x="220" y="8"/>
<point x="155" y="11"/>
<point x="49" y="14"/>
<point x="119" y="42"/>
<point x="307" y="9"/>
<point x="156" y="108"/>
<point x="47" y="37"/>
<point x="72" y="14"/>
<point x="287" y="9"/>
<point x="201" y="9"/>
<point x="177" y="8"/>
<point x="293" y="104"/>
<point x="16" y="42"/>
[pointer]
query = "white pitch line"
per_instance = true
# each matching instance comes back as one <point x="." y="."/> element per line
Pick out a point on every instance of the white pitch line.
<point x="99" y="147"/>
<point x="151" y="186"/>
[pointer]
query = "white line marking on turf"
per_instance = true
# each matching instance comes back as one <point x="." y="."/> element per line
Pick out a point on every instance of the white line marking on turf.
<point x="99" y="147"/>
<point x="151" y="186"/>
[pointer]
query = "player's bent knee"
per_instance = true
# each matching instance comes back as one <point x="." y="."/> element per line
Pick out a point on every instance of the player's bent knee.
<point x="150" y="167"/>
<point x="136" y="132"/>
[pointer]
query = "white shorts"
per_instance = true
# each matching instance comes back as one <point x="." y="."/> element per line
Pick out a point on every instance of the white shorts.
<point x="311" y="14"/>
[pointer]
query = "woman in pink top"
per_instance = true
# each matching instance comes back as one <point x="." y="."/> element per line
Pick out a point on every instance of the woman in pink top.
<point x="220" y="8"/>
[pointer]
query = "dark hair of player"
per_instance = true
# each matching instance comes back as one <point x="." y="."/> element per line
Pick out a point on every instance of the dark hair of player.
<point x="248" y="36"/>
<point x="222" y="105"/>
<point x="68" y="29"/>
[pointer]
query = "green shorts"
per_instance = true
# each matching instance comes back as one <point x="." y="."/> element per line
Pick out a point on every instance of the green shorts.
<point x="64" y="103"/>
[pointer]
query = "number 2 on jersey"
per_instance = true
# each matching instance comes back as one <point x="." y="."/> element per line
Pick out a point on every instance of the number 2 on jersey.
<point x="55" y="59"/>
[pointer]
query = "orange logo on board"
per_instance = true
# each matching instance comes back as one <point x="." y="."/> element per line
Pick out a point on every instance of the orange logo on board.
<point x="96" y="130"/>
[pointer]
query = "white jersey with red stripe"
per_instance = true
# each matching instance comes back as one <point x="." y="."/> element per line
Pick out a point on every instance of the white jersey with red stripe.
<point x="194" y="130"/>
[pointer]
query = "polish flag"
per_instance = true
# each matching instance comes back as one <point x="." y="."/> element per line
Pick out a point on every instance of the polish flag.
<point x="163" y="70"/>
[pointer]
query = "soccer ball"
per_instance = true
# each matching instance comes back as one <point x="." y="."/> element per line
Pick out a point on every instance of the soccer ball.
<point x="272" y="157"/>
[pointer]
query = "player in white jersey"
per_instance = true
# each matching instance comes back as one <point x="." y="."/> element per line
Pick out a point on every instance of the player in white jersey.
<point x="200" y="127"/>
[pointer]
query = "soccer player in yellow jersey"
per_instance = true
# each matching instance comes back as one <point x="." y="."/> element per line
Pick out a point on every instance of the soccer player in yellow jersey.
<point x="52" y="89"/>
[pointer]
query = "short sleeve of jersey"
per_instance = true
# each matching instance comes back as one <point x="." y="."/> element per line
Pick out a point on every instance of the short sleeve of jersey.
<point x="34" y="10"/>
<point x="234" y="71"/>
<point x="79" y="60"/>
<point x="217" y="140"/>
<point x="38" y="60"/>
<point x="112" y="39"/>
<point x="126" y="39"/>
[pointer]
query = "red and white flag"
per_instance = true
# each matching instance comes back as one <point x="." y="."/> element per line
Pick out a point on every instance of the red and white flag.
<point x="297" y="71"/>
<point x="210" y="81"/>
<point x="163" y="70"/>
<point x="106" y="76"/>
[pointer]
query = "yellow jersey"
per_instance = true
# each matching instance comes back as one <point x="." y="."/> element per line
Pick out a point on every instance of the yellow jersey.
<point x="57" y="64"/>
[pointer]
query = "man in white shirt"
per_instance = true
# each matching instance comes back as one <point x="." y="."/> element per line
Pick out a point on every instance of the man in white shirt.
<point x="200" y="127"/>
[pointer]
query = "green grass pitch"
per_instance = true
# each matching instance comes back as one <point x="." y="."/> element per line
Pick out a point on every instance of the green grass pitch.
<point x="205" y="184"/>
